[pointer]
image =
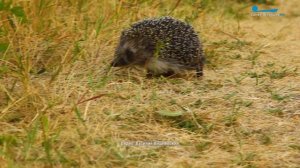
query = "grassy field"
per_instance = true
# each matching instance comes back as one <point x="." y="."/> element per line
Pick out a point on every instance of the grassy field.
<point x="62" y="106"/>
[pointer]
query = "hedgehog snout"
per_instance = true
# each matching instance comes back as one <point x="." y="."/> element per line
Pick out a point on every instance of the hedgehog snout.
<point x="117" y="62"/>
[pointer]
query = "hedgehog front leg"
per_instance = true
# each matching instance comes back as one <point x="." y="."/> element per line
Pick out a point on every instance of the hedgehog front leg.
<point x="168" y="73"/>
<point x="151" y="74"/>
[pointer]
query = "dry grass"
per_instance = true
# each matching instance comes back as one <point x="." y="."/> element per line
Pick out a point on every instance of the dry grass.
<point x="61" y="107"/>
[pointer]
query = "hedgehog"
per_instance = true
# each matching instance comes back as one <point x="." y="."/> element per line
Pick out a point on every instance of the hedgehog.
<point x="163" y="46"/>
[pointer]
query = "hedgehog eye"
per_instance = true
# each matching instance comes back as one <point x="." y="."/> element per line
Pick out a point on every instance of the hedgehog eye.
<point x="129" y="55"/>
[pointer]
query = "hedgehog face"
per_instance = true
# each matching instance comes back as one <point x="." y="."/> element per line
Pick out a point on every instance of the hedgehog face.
<point x="130" y="53"/>
<point x="124" y="57"/>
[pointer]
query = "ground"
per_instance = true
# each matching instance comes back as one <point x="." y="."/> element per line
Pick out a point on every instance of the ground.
<point x="63" y="106"/>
